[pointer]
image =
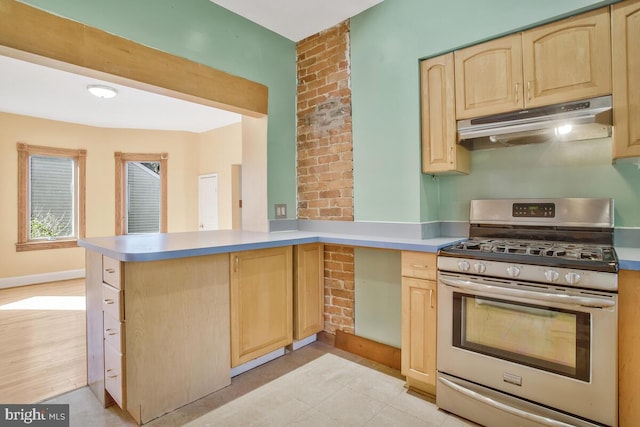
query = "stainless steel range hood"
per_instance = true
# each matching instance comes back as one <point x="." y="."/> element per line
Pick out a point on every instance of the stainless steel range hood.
<point x="571" y="121"/>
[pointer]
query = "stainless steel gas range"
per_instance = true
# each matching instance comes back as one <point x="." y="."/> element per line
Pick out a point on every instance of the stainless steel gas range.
<point x="527" y="315"/>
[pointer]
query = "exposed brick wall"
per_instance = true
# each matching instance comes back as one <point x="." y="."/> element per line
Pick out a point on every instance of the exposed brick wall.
<point x="325" y="158"/>
<point x="325" y="148"/>
<point x="339" y="287"/>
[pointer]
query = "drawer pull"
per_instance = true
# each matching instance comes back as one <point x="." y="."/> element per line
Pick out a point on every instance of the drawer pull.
<point x="111" y="331"/>
<point x="419" y="266"/>
<point x="109" y="301"/>
<point x="110" y="270"/>
<point x="112" y="375"/>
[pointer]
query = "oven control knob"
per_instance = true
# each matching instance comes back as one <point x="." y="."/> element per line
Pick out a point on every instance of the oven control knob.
<point x="479" y="267"/>
<point x="551" y="275"/>
<point x="463" y="265"/>
<point x="572" y="278"/>
<point x="513" y="271"/>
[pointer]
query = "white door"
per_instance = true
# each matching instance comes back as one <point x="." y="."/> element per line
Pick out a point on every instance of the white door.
<point x="208" y="201"/>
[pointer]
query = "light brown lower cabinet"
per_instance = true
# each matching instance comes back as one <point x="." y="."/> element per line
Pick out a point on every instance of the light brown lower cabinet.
<point x="261" y="301"/>
<point x="308" y="290"/>
<point x="157" y="331"/>
<point x="628" y="348"/>
<point x="419" y="310"/>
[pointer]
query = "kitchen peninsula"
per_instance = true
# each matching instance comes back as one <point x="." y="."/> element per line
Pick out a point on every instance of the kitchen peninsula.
<point x="169" y="315"/>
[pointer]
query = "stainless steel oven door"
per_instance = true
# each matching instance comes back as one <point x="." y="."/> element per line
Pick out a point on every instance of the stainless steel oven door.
<point x="550" y="345"/>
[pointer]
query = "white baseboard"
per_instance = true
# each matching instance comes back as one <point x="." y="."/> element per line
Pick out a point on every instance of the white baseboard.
<point x="12" y="282"/>
<point x="257" y="362"/>
<point x="271" y="356"/>
<point x="304" y="341"/>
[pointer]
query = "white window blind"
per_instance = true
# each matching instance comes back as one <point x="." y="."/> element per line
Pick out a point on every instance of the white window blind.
<point x="51" y="197"/>
<point x="143" y="197"/>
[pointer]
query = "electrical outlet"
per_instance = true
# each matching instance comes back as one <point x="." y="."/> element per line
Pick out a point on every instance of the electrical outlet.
<point x="281" y="211"/>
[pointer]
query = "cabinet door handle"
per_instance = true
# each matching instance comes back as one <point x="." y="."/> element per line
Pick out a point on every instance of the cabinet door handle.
<point x="451" y="154"/>
<point x="111" y="331"/>
<point x="517" y="90"/>
<point x="109" y="301"/>
<point x="112" y="375"/>
<point x="529" y="90"/>
<point x="235" y="263"/>
<point x="431" y="298"/>
<point x="109" y="270"/>
<point x="419" y="266"/>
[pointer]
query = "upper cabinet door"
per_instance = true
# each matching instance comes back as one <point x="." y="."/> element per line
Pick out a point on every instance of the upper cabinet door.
<point x="489" y="78"/>
<point x="568" y="60"/>
<point x="440" y="151"/>
<point x="626" y="81"/>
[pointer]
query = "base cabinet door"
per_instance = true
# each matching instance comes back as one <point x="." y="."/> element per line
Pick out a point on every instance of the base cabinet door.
<point x="308" y="290"/>
<point x="419" y="333"/>
<point x="628" y="348"/>
<point x="261" y="300"/>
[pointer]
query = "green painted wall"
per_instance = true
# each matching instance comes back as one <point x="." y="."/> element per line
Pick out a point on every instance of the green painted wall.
<point x="564" y="169"/>
<point x="387" y="42"/>
<point x="204" y="32"/>
<point x="378" y="295"/>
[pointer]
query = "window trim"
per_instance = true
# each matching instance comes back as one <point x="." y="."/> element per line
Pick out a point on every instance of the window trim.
<point x="121" y="160"/>
<point x="79" y="156"/>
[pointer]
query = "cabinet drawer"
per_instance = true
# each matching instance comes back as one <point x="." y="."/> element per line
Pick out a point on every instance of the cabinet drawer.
<point x="111" y="272"/>
<point x="114" y="332"/>
<point x="114" y="374"/>
<point x="420" y="265"/>
<point x="112" y="302"/>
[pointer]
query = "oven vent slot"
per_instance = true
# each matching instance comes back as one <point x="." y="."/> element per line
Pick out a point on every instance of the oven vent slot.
<point x="531" y="285"/>
<point x="595" y="294"/>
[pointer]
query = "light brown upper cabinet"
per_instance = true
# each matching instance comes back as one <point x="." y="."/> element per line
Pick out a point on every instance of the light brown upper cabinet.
<point x="568" y="60"/>
<point x="626" y="84"/>
<point x="440" y="151"/>
<point x="558" y="62"/>
<point x="489" y="77"/>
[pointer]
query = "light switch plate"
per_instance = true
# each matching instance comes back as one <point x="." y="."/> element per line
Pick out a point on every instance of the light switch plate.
<point x="281" y="211"/>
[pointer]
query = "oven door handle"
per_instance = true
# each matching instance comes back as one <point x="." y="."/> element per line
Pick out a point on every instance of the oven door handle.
<point x="503" y="407"/>
<point x="539" y="296"/>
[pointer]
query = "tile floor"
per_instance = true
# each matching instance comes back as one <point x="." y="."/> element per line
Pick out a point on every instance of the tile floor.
<point x="317" y="385"/>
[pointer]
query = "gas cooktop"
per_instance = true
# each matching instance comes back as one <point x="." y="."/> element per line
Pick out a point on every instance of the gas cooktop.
<point x="574" y="233"/>
<point x="560" y="254"/>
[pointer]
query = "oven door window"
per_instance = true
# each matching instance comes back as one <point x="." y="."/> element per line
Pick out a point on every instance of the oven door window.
<point x="546" y="338"/>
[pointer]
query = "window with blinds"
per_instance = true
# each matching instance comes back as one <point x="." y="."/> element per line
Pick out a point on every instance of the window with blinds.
<point x="51" y="197"/>
<point x="143" y="197"/>
<point x="141" y="192"/>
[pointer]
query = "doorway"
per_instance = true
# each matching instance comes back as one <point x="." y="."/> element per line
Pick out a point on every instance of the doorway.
<point x="208" y="218"/>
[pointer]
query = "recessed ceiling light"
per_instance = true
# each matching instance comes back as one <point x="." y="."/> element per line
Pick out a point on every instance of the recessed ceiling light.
<point x="102" y="91"/>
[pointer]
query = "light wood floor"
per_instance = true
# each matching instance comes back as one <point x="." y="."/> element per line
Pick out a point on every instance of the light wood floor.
<point x="42" y="341"/>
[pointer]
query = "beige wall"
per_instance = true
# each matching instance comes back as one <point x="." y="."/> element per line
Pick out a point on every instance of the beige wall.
<point x="218" y="150"/>
<point x="254" y="174"/>
<point x="183" y="169"/>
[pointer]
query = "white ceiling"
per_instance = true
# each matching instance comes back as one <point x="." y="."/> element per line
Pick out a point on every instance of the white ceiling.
<point x="38" y="91"/>
<point x="34" y="90"/>
<point x="297" y="19"/>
